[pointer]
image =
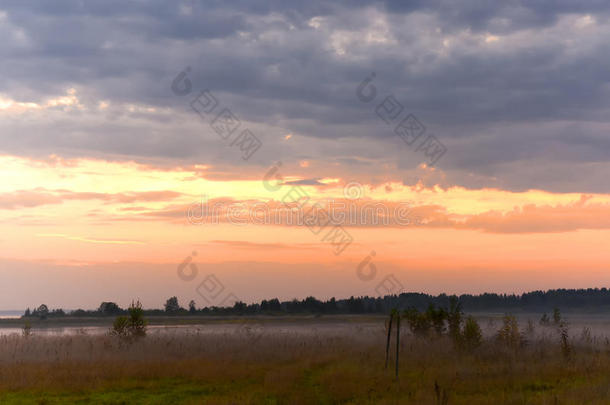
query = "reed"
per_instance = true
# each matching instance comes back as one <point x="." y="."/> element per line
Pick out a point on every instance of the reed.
<point x="300" y="368"/>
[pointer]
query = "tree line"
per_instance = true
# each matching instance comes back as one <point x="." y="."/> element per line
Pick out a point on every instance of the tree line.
<point x="588" y="299"/>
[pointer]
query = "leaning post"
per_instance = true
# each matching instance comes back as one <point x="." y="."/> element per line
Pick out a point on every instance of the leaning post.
<point x="387" y="345"/>
<point x="397" y="341"/>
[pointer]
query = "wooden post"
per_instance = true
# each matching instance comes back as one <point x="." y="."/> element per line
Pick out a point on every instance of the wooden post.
<point x="397" y="341"/>
<point x="387" y="345"/>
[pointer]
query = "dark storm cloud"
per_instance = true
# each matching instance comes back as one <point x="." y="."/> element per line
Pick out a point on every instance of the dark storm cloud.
<point x="499" y="16"/>
<point x="507" y="86"/>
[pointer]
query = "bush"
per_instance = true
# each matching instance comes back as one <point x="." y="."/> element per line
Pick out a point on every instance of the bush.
<point x="132" y="326"/>
<point x="464" y="334"/>
<point x="437" y="317"/>
<point x="419" y="322"/>
<point x="509" y="333"/>
<point x="120" y="327"/>
<point x="472" y="336"/>
<point x="26" y="331"/>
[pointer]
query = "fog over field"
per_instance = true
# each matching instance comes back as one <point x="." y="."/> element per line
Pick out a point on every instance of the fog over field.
<point x="304" y="202"/>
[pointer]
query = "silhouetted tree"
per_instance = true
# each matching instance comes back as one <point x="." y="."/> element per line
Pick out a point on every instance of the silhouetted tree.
<point x="109" y="308"/>
<point x="171" y="305"/>
<point x="274" y="305"/>
<point x="57" y="312"/>
<point x="239" y="307"/>
<point x="454" y="319"/>
<point x="42" y="312"/>
<point x="556" y="316"/>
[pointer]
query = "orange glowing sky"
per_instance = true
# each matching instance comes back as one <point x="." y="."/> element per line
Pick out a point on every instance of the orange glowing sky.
<point x="86" y="213"/>
<point x="127" y="135"/>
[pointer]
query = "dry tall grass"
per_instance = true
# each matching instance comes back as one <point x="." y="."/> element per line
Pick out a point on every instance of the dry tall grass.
<point x="289" y="368"/>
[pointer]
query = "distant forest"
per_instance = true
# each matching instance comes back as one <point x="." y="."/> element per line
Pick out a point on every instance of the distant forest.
<point x="592" y="299"/>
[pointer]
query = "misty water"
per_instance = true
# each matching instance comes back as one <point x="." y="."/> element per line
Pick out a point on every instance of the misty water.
<point x="598" y="325"/>
<point x="252" y="326"/>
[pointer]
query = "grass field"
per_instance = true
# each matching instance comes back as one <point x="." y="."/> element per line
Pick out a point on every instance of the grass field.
<point x="269" y="367"/>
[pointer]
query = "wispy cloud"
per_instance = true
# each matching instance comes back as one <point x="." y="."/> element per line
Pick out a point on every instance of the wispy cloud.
<point x="89" y="240"/>
<point x="40" y="196"/>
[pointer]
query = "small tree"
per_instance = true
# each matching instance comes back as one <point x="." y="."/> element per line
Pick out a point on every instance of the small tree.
<point x="556" y="316"/>
<point x="454" y="320"/>
<point x="418" y="322"/>
<point x="137" y="323"/>
<point x="509" y="333"/>
<point x="437" y="317"/>
<point x="192" y="307"/>
<point x="120" y="327"/>
<point x="133" y="326"/>
<point x="472" y="336"/>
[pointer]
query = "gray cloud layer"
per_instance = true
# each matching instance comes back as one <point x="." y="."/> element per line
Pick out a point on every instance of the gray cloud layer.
<point x="518" y="92"/>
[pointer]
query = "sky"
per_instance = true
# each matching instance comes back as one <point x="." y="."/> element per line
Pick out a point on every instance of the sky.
<point x="223" y="151"/>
